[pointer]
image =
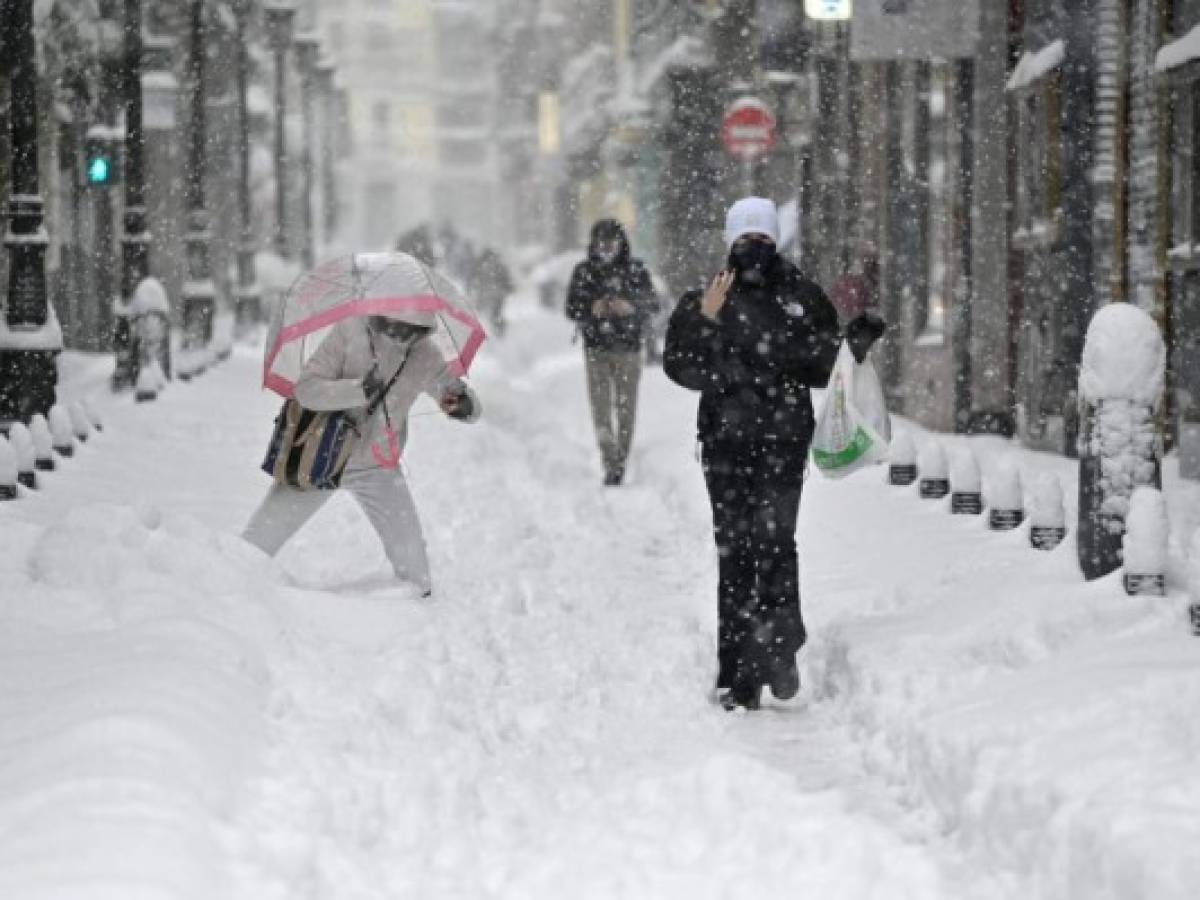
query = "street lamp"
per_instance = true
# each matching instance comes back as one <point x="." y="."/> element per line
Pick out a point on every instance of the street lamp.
<point x="199" y="294"/>
<point x="308" y="48"/>
<point x="280" y="16"/>
<point x="249" y="296"/>
<point x="30" y="336"/>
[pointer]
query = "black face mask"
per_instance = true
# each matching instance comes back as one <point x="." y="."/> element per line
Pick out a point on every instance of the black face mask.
<point x="751" y="260"/>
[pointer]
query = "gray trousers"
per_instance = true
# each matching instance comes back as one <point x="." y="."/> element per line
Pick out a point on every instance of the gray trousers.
<point x="612" y="380"/>
<point x="384" y="498"/>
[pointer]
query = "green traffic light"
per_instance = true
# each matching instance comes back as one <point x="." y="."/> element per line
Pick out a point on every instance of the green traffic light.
<point x="98" y="170"/>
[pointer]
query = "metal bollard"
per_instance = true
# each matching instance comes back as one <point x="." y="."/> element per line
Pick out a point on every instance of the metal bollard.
<point x="902" y="460"/>
<point x="22" y="444"/>
<point x="966" y="498"/>
<point x="43" y="444"/>
<point x="1047" y="515"/>
<point x="148" y="383"/>
<point x="80" y="425"/>
<point x="934" y="481"/>
<point x="1194" y="582"/>
<point x="61" y="433"/>
<point x="8" y="470"/>
<point x="1144" y="545"/>
<point x="1005" y="498"/>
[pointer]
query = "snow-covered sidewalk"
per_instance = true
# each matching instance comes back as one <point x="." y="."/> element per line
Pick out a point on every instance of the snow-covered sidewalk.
<point x="181" y="717"/>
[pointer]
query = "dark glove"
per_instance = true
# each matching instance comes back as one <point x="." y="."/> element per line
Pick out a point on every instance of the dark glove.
<point x="372" y="384"/>
<point x="862" y="333"/>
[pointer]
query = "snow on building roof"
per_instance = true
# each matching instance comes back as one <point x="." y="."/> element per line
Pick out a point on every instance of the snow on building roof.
<point x="1032" y="66"/>
<point x="1176" y="53"/>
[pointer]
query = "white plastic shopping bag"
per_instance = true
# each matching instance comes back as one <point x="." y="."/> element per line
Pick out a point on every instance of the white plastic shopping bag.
<point x="853" y="428"/>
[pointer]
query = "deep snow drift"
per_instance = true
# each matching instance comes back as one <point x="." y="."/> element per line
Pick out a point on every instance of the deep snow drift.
<point x="181" y="717"/>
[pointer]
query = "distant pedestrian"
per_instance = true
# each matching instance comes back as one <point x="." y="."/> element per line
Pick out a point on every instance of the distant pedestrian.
<point x="753" y="344"/>
<point x="492" y="285"/>
<point x="611" y="299"/>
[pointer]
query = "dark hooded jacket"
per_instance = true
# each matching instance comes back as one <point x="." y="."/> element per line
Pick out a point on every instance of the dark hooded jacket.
<point x="755" y="364"/>
<point x="623" y="278"/>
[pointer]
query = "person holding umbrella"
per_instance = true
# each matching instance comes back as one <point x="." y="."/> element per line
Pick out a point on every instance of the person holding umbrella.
<point x="393" y="329"/>
<point x="753" y="344"/>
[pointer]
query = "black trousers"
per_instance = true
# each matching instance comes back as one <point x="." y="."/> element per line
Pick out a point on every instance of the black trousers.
<point x="755" y="495"/>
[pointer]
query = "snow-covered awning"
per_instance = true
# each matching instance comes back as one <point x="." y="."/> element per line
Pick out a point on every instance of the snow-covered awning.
<point x="1032" y="66"/>
<point x="1176" y="53"/>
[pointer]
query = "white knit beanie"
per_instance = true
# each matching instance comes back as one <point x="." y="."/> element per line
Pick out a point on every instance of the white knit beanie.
<point x="752" y="215"/>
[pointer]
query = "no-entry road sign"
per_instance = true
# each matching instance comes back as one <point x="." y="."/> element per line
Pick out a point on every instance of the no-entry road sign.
<point x="748" y="129"/>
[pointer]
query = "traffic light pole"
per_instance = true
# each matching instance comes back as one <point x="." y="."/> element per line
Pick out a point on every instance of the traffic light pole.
<point x="249" y="297"/>
<point x="29" y="337"/>
<point x="199" y="293"/>
<point x="135" y="241"/>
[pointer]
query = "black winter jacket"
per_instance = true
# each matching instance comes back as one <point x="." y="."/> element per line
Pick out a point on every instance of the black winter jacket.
<point x="625" y="278"/>
<point x="755" y="364"/>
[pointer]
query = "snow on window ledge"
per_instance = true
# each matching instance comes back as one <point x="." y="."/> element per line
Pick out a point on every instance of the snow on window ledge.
<point x="1179" y="52"/>
<point x="1032" y="66"/>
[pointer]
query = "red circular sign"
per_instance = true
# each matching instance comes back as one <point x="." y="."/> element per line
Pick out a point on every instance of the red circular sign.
<point x="748" y="129"/>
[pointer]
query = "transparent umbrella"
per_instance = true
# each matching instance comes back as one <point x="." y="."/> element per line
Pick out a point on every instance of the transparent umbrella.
<point x="367" y="284"/>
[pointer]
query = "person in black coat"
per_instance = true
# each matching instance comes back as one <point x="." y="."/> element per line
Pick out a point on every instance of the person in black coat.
<point x="753" y="344"/>
<point x="611" y="299"/>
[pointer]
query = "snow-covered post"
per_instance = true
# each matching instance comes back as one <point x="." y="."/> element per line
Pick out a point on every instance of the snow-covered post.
<point x="935" y="480"/>
<point x="902" y="460"/>
<point x="1194" y="582"/>
<point x="1145" y="543"/>
<point x="43" y="444"/>
<point x="61" y="435"/>
<point x="22" y="443"/>
<point x="1005" y="498"/>
<point x="148" y="384"/>
<point x="150" y="314"/>
<point x="1047" y="517"/>
<point x="8" y="470"/>
<point x="79" y="421"/>
<point x="1120" y="388"/>
<point x="966" y="498"/>
<point x="92" y="414"/>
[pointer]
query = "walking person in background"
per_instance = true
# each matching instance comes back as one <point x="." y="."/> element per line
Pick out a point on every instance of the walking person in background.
<point x="753" y="344"/>
<point x="611" y="299"/>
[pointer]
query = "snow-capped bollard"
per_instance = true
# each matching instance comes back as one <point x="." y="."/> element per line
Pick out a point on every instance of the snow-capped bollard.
<point x="43" y="444"/>
<point x="1004" y="497"/>
<point x="93" y="414"/>
<point x="81" y="426"/>
<point x="148" y="383"/>
<point x="966" y="498"/>
<point x="935" y="482"/>
<point x="902" y="460"/>
<point x="1145" y="543"/>
<point x="1194" y="582"/>
<point x="22" y="444"/>
<point x="1121" y="380"/>
<point x="8" y="470"/>
<point x="1047" y="517"/>
<point x="61" y="434"/>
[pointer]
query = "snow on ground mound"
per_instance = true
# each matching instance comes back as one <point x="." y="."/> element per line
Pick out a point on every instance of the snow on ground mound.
<point x="131" y="708"/>
<point x="1050" y="725"/>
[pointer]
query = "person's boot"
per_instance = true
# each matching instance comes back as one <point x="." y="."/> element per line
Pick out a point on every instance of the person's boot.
<point x="785" y="679"/>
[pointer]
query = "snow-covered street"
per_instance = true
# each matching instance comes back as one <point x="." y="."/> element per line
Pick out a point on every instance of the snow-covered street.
<point x="182" y="717"/>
